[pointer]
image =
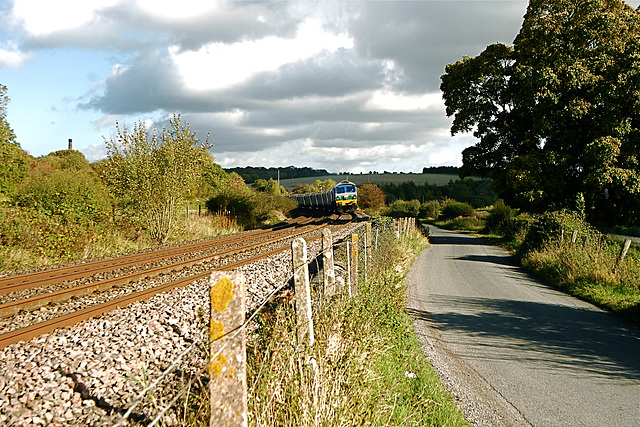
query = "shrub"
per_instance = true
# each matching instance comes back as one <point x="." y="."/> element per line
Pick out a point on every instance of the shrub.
<point x="457" y="209"/>
<point x="71" y="197"/>
<point x="550" y="226"/>
<point x="403" y="209"/>
<point x="501" y="219"/>
<point x="430" y="209"/>
<point x="250" y="207"/>
<point x="370" y="196"/>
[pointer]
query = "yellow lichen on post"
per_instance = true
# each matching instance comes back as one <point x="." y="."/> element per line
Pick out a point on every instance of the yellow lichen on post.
<point x="216" y="330"/>
<point x="217" y="364"/>
<point x="221" y="294"/>
<point x="227" y="368"/>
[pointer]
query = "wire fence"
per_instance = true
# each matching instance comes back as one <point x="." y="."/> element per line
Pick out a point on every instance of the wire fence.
<point x="234" y="411"/>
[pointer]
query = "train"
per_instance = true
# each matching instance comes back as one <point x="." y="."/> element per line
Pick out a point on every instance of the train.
<point x="342" y="198"/>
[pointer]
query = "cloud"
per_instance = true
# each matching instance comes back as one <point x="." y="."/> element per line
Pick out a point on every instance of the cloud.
<point x="421" y="37"/>
<point x="219" y="65"/>
<point x="340" y="85"/>
<point x="12" y="57"/>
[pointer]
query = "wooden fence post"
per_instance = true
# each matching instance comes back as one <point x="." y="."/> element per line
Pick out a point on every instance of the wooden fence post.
<point x="328" y="270"/>
<point x="354" y="265"/>
<point x="228" y="364"/>
<point x="302" y="292"/>
<point x="574" y="237"/>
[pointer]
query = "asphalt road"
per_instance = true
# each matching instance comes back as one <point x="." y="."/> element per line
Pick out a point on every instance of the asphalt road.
<point x="541" y="356"/>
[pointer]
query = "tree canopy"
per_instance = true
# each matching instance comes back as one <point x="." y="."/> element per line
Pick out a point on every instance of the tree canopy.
<point x="557" y="114"/>
<point x="13" y="160"/>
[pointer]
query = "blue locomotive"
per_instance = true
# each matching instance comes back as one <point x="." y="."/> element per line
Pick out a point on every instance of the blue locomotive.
<point x="341" y="198"/>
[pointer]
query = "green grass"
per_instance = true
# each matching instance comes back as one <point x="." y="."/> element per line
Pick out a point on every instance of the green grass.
<point x="592" y="273"/>
<point x="366" y="366"/>
<point x="418" y="178"/>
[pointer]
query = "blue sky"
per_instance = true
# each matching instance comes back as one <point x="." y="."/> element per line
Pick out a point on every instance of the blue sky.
<point x="340" y="85"/>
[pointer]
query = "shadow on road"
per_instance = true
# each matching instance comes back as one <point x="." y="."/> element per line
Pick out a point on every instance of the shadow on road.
<point x="560" y="337"/>
<point x="456" y="239"/>
<point x="494" y="259"/>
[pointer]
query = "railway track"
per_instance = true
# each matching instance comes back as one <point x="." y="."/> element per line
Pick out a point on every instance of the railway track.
<point x="68" y="273"/>
<point x="225" y="253"/>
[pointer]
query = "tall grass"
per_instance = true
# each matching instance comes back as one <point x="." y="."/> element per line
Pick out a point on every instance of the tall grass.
<point x="589" y="269"/>
<point x="366" y="366"/>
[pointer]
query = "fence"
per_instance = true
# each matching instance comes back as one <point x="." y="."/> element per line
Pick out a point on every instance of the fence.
<point x="601" y="237"/>
<point x="227" y="365"/>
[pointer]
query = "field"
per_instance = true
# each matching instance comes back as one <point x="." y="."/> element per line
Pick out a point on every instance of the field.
<point x="418" y="178"/>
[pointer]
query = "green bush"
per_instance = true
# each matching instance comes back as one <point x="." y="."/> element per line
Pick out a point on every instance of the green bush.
<point x="403" y="209"/>
<point x="457" y="209"/>
<point x="550" y="226"/>
<point x="430" y="209"/>
<point x="71" y="197"/>
<point x="251" y="208"/>
<point x="502" y="219"/>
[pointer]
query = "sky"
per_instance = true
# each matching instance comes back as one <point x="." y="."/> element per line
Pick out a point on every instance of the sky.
<point x="347" y="86"/>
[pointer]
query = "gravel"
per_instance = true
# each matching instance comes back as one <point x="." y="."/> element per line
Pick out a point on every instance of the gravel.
<point x="88" y="374"/>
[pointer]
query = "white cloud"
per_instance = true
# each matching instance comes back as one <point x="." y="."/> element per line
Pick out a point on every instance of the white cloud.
<point x="219" y="65"/>
<point x="385" y="100"/>
<point x="45" y="17"/>
<point x="12" y="57"/>
<point x="170" y="10"/>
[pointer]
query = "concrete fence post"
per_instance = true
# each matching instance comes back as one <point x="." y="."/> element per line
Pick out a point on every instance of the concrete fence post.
<point x="228" y="364"/>
<point x="354" y="265"/>
<point x="365" y="247"/>
<point x="328" y="269"/>
<point x="625" y="249"/>
<point x="369" y="239"/>
<point x="349" y="269"/>
<point x="574" y="237"/>
<point x="304" y="319"/>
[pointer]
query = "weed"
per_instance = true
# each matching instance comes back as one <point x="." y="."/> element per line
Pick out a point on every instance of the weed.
<point x="366" y="366"/>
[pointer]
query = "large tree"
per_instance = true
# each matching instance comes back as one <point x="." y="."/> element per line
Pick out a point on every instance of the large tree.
<point x="557" y="114"/>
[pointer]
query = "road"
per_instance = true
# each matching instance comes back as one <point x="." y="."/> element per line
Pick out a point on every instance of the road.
<point x="530" y="354"/>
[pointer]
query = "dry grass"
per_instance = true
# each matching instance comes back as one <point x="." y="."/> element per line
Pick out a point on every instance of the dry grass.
<point x="589" y="269"/>
<point x="357" y="372"/>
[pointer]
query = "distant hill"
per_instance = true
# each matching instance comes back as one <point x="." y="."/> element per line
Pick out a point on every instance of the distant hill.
<point x="250" y="174"/>
<point x="291" y="176"/>
<point x="387" y="178"/>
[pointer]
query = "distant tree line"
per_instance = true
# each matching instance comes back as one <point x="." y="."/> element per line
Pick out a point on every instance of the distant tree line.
<point x="251" y="174"/>
<point x="442" y="170"/>
<point x="476" y="192"/>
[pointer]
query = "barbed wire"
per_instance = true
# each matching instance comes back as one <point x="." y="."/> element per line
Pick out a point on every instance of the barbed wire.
<point x="235" y="332"/>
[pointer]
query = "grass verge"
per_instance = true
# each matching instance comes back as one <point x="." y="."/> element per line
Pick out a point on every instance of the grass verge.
<point x="366" y="366"/>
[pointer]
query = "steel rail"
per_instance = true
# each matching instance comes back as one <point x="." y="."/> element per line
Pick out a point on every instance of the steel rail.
<point x="68" y="273"/>
<point x="29" y="332"/>
<point x="11" y="308"/>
